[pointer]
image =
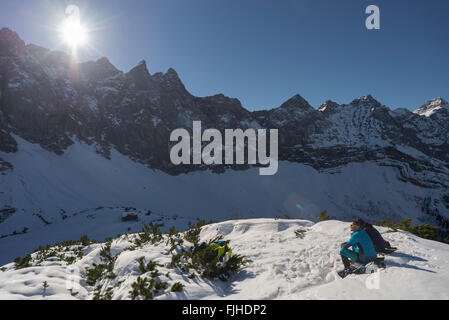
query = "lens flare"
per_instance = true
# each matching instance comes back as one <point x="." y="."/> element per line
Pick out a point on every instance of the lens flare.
<point x="74" y="34"/>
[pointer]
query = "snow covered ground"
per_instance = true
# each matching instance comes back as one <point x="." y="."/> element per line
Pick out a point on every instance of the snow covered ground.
<point x="284" y="267"/>
<point x="60" y="198"/>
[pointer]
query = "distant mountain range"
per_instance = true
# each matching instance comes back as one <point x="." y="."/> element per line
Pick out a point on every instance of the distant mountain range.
<point x="48" y="99"/>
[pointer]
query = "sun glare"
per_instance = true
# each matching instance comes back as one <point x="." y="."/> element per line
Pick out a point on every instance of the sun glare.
<point x="74" y="34"/>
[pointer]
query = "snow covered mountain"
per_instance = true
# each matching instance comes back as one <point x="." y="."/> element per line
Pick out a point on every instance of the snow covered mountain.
<point x="284" y="266"/>
<point x="81" y="143"/>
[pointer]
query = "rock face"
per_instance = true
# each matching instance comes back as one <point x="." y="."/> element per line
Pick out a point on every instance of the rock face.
<point x="49" y="99"/>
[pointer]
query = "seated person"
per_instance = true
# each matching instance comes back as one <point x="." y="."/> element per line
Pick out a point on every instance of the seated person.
<point x="363" y="250"/>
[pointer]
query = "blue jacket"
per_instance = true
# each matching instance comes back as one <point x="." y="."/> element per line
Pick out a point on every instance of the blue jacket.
<point x="376" y="237"/>
<point x="362" y="244"/>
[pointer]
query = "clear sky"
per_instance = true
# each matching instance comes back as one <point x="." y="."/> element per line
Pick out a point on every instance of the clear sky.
<point x="263" y="52"/>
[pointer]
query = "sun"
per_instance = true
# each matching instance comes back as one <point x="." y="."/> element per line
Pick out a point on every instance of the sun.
<point x="73" y="34"/>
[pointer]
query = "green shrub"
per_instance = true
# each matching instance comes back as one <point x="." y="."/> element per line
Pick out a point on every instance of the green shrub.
<point x="95" y="273"/>
<point x="100" y="271"/>
<point x="146" y="289"/>
<point x="323" y="216"/>
<point x="105" y="253"/>
<point x="160" y="285"/>
<point x="176" y="260"/>
<point x="426" y="231"/>
<point x="177" y="287"/>
<point x="150" y="266"/>
<point x="174" y="243"/>
<point x="70" y="260"/>
<point x="206" y="261"/>
<point x="193" y="234"/>
<point x="106" y="296"/>
<point x="85" y="240"/>
<point x="150" y="234"/>
<point x="404" y="225"/>
<point x="172" y="231"/>
<point x="21" y="263"/>
<point x="142" y="288"/>
<point x="155" y="274"/>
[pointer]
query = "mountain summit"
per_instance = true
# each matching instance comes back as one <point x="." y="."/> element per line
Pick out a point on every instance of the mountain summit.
<point x="433" y="106"/>
<point x="297" y="102"/>
<point x="10" y="43"/>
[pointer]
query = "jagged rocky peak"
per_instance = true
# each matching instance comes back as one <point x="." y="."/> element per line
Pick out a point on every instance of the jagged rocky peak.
<point x="432" y="106"/>
<point x="140" y="75"/>
<point x="172" y="73"/>
<point x="10" y="43"/>
<point x="143" y="64"/>
<point x="170" y="79"/>
<point x="328" y="106"/>
<point x="366" y="102"/>
<point x="172" y="76"/>
<point x="140" y="70"/>
<point x="297" y="103"/>
<point x="100" y="69"/>
<point x="104" y="62"/>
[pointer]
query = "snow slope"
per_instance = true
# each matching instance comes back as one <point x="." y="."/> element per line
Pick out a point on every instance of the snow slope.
<point x="284" y="267"/>
<point x="64" y="197"/>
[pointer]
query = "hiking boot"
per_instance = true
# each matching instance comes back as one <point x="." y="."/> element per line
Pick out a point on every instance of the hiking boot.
<point x="345" y="272"/>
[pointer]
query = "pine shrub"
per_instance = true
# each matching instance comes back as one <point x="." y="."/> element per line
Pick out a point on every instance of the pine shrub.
<point x="205" y="260"/>
<point x="150" y="266"/>
<point x="426" y="231"/>
<point x="177" y="287"/>
<point x="323" y="216"/>
<point x="146" y="289"/>
<point x="151" y="234"/>
<point x="193" y="234"/>
<point x="21" y="263"/>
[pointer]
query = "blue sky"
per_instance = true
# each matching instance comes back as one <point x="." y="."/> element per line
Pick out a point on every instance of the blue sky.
<point x="263" y="52"/>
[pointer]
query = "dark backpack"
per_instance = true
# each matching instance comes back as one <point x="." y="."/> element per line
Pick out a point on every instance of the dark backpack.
<point x="376" y="237"/>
